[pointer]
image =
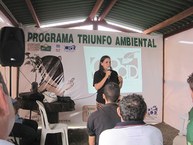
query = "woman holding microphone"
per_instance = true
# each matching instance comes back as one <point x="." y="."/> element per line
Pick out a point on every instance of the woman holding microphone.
<point x="104" y="75"/>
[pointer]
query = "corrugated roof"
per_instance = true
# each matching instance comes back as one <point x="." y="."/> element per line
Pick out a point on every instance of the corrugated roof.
<point x="159" y="16"/>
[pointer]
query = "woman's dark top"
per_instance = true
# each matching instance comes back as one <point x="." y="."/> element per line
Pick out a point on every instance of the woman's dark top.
<point x="98" y="76"/>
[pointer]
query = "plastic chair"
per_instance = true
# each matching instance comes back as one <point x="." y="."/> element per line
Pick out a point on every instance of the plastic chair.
<point x="14" y="140"/>
<point x="51" y="128"/>
<point x="180" y="139"/>
<point x="183" y="124"/>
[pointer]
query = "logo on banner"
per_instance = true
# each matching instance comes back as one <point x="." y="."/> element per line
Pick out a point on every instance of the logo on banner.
<point x="152" y="112"/>
<point x="70" y="48"/>
<point x="57" y="47"/>
<point x="45" y="47"/>
<point x="33" y="46"/>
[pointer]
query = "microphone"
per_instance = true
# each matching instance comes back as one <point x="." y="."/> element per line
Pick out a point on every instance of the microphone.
<point x="109" y="69"/>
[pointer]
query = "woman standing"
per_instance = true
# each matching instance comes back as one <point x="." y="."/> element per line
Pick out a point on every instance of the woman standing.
<point x="104" y="75"/>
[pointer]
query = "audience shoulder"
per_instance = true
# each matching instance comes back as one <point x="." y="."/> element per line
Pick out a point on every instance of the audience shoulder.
<point x="155" y="131"/>
<point x="155" y="128"/>
<point x="108" y="131"/>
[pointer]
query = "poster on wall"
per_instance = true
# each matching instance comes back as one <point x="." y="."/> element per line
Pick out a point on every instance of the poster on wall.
<point x="62" y="62"/>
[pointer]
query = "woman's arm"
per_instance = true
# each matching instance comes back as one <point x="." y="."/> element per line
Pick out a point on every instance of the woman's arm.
<point x="120" y="81"/>
<point x="102" y="82"/>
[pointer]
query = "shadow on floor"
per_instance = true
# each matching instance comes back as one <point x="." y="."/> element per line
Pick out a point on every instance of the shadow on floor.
<point x="78" y="137"/>
<point x="169" y="133"/>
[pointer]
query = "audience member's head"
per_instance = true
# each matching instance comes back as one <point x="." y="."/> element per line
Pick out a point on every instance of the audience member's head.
<point x="190" y="81"/>
<point x="132" y="108"/>
<point x="111" y="92"/>
<point x="7" y="116"/>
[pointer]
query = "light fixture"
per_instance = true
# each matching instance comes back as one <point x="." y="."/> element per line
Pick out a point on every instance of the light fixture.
<point x="61" y="23"/>
<point x="129" y="28"/>
<point x="87" y="27"/>
<point x="1" y="20"/>
<point x="102" y="28"/>
<point x="186" y="42"/>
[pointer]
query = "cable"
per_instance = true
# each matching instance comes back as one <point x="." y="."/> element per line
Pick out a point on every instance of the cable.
<point x="25" y="76"/>
<point x="85" y="97"/>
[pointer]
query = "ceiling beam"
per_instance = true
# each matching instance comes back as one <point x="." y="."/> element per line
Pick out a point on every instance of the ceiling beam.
<point x="179" y="30"/>
<point x="95" y="9"/>
<point x="170" y="21"/>
<point x="107" y="10"/>
<point x="32" y="11"/>
<point x="88" y="21"/>
<point x="8" y="14"/>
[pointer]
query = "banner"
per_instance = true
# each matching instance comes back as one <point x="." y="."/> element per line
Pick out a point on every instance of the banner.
<point x="63" y="62"/>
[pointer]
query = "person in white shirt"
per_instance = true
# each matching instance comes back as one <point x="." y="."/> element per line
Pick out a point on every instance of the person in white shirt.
<point x="7" y="116"/>
<point x="132" y="130"/>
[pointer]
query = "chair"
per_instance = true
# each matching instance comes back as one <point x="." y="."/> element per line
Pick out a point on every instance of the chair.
<point x="183" y="124"/>
<point x="14" y="140"/>
<point x="51" y="128"/>
<point x="180" y="139"/>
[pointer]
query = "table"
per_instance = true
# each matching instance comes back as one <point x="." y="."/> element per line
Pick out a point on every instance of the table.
<point x="52" y="109"/>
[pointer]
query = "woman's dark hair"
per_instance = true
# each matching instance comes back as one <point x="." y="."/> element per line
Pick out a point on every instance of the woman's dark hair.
<point x="101" y="60"/>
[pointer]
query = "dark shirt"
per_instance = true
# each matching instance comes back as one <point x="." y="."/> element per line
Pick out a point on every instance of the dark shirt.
<point x="102" y="119"/>
<point x="98" y="76"/>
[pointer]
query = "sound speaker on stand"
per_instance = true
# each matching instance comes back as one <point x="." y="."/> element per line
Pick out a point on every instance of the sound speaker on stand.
<point x="12" y="46"/>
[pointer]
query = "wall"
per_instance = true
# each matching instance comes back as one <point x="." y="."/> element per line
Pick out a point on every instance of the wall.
<point x="178" y="66"/>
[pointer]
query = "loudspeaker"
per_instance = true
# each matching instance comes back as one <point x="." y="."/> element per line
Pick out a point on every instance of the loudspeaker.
<point x="12" y="46"/>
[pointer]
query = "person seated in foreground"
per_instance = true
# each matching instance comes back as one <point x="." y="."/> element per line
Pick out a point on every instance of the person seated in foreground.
<point x="132" y="130"/>
<point x="6" y="114"/>
<point x="189" y="135"/>
<point x="26" y="129"/>
<point x="105" y="117"/>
